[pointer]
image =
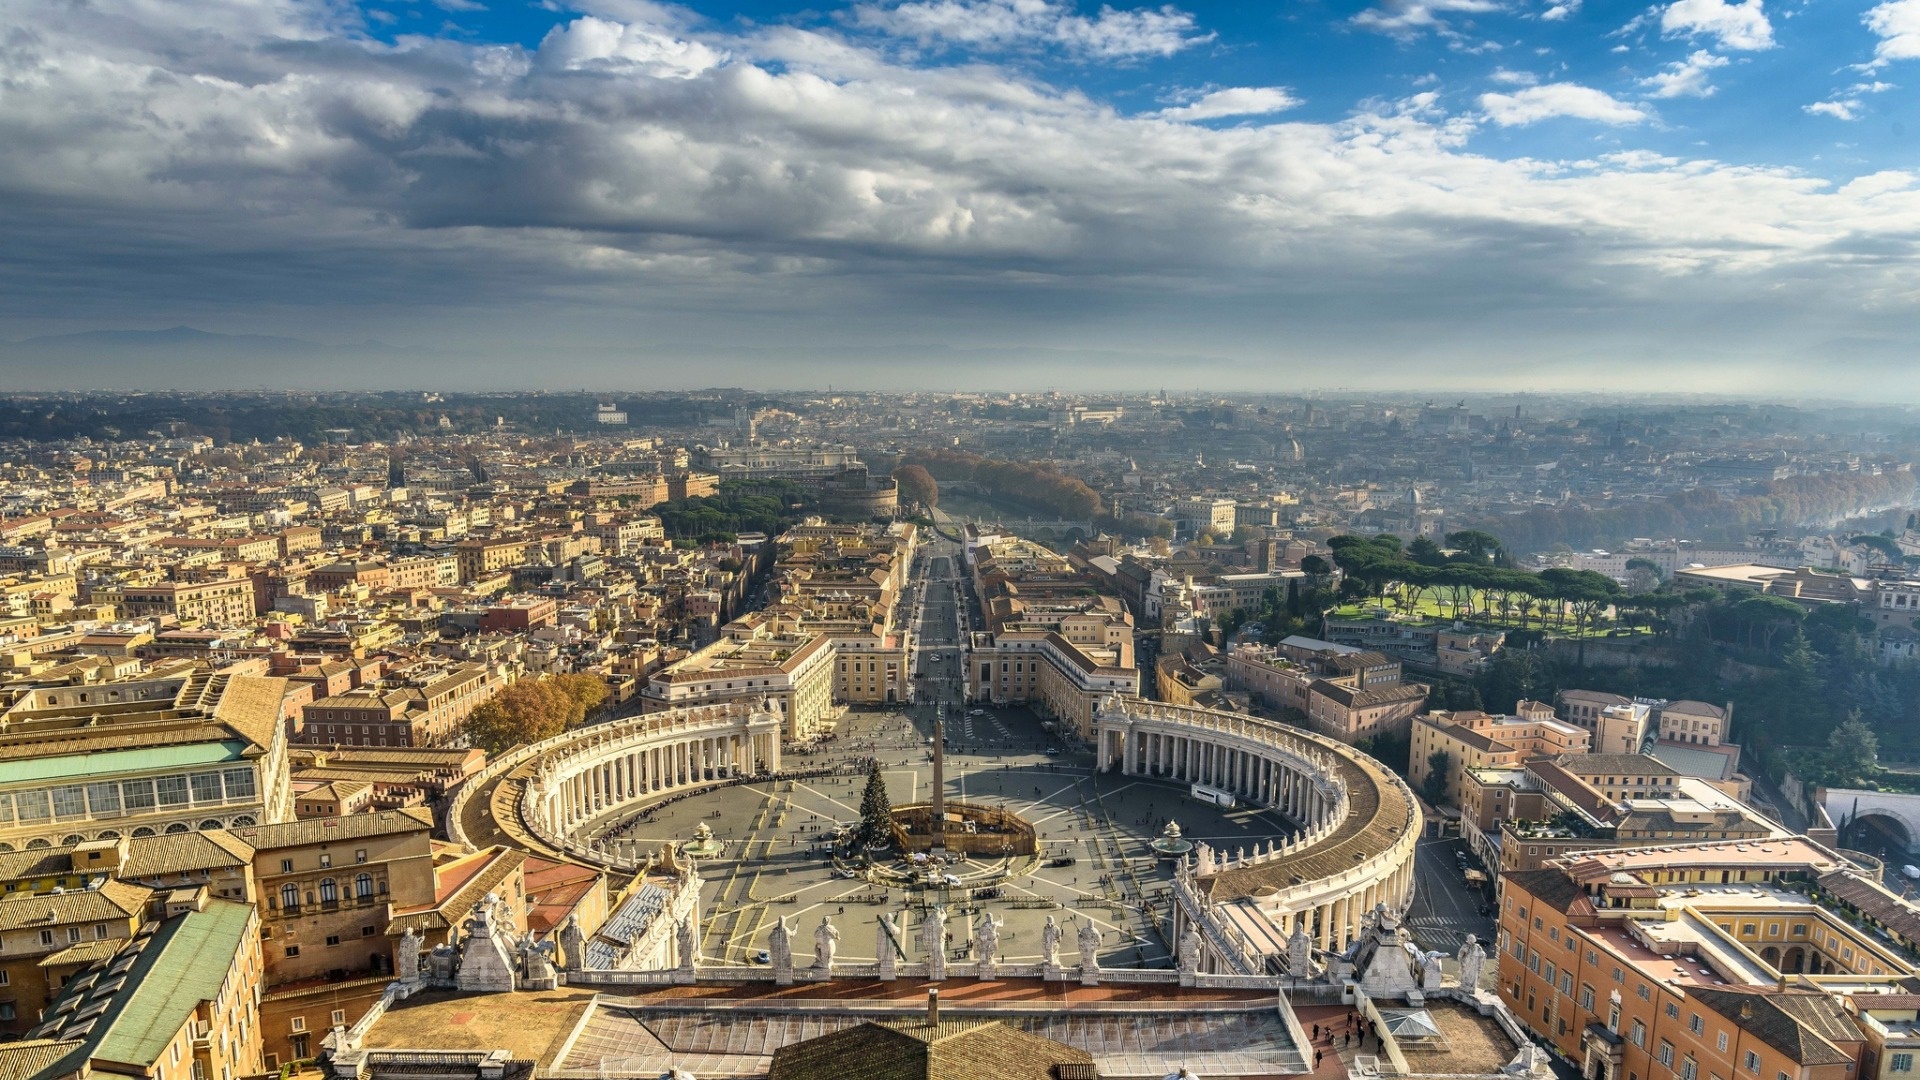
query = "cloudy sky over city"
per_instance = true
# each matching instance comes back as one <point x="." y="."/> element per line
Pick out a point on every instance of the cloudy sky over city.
<point x="1695" y="195"/>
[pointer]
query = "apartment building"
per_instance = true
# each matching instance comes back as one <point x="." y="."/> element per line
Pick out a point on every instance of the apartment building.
<point x="424" y="708"/>
<point x="1472" y="739"/>
<point x="480" y="557"/>
<point x="1341" y="691"/>
<point x="177" y="1002"/>
<point x="1683" y="961"/>
<point x="52" y="927"/>
<point x="328" y="888"/>
<point x="1600" y="801"/>
<point x="223" y="602"/>
<point x="1694" y="722"/>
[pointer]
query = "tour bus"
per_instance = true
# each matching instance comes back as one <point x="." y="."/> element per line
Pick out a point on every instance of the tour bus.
<point x="1222" y="799"/>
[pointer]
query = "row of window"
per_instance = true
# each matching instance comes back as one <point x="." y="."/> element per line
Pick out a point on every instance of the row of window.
<point x="112" y="798"/>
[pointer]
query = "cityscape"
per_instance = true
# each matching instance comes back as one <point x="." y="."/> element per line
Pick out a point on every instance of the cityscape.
<point x="741" y="733"/>
<point x="959" y="540"/>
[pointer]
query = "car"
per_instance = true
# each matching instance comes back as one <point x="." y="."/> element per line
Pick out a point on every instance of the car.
<point x="849" y="873"/>
<point x="762" y="957"/>
<point x="1911" y="871"/>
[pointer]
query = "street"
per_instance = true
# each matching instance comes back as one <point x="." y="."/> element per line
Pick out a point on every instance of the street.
<point x="1445" y="910"/>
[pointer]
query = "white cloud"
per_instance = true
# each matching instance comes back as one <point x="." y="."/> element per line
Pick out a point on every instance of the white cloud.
<point x="1560" y="10"/>
<point x="1514" y="78"/>
<point x="1686" y="78"/>
<point x="1839" y="110"/>
<point x="1000" y="24"/>
<point x="1741" y="26"/>
<point x="459" y="5"/>
<point x="1897" y="24"/>
<point x="591" y="42"/>
<point x="1537" y="103"/>
<point x="654" y="170"/>
<point x="1407" y="18"/>
<point x="1234" y="101"/>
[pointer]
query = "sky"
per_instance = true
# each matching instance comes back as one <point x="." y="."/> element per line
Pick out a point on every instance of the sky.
<point x="1693" y="196"/>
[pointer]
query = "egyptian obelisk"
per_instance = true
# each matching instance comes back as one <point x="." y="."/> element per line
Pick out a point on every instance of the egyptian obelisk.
<point x="939" y="823"/>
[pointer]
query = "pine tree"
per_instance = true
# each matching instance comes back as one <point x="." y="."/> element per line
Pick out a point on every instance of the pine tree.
<point x="876" y="810"/>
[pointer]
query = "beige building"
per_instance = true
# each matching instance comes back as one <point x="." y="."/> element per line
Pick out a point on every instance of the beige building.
<point x="226" y="602"/>
<point x="1476" y="740"/>
<point x="48" y="931"/>
<point x="141" y="758"/>
<point x="177" y="1002"/>
<point x="328" y="887"/>
<point x="793" y="676"/>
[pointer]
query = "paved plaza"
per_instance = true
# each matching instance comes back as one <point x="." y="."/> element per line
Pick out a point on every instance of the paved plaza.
<point x="777" y="859"/>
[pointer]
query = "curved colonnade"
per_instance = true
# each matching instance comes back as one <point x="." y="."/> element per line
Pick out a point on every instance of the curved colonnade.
<point x="550" y="790"/>
<point x="1258" y="911"/>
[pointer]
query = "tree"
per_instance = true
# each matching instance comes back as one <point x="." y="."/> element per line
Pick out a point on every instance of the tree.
<point x="531" y="710"/>
<point x="1479" y="546"/>
<point x="1425" y="552"/>
<point x="1317" y="569"/>
<point x="1882" y="544"/>
<point x="876" y="811"/>
<point x="917" y="485"/>
<point x="1853" y="752"/>
<point x="1434" y="787"/>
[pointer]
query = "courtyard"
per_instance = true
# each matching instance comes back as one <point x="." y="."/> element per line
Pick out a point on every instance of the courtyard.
<point x="775" y="851"/>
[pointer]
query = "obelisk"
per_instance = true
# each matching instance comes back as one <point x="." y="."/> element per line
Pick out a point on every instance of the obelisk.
<point x="939" y="823"/>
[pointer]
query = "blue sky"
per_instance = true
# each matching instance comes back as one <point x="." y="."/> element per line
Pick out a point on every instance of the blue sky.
<point x="1762" y="68"/>
<point x="1685" y="195"/>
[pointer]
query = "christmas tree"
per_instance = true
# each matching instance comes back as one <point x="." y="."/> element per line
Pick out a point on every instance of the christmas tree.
<point x="876" y="811"/>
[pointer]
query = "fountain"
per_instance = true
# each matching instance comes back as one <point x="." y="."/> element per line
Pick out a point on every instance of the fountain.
<point x="703" y="845"/>
<point x="1170" y="845"/>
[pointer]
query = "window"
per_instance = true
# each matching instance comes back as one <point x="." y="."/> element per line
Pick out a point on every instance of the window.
<point x="1566" y="983"/>
<point x="1689" y="1068"/>
<point x="363" y="885"/>
<point x="1666" y="1053"/>
<point x="293" y="951"/>
<point x="329" y="892"/>
<point x="172" y="790"/>
<point x="7" y="1011"/>
<point x="5" y="977"/>
<point x="206" y="788"/>
<point x="1900" y="1063"/>
<point x="73" y="935"/>
<point x="339" y="1016"/>
<point x="1696" y="1024"/>
<point x="299" y="1023"/>
<point x="1586" y="997"/>
<point x="1639" y="1034"/>
<point x="326" y="860"/>
<point x="99" y="931"/>
<point x="290" y="896"/>
<point x="332" y="940"/>
<point x="46" y="937"/>
<point x="359" y="855"/>
<point x="286" y="866"/>
<point x="1673" y="1010"/>
<point x="1645" y="992"/>
<point x="1751" y="1061"/>
<point x="1619" y="976"/>
<point x="1721" y="1041"/>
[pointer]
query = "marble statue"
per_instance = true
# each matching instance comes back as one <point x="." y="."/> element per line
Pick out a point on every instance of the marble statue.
<point x="536" y="965"/>
<point x="826" y="939"/>
<point x="1089" y="942"/>
<point x="689" y="944"/>
<point x="886" y="937"/>
<point x="573" y="945"/>
<point x="406" y="956"/>
<point x="933" y="941"/>
<point x="1189" y="952"/>
<point x="986" y="940"/>
<point x="780" y="951"/>
<point x="1430" y="971"/>
<point x="1473" y="962"/>
<point x="1050" y="943"/>
<point x="1299" y="954"/>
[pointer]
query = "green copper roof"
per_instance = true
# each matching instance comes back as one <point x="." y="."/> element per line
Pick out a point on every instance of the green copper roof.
<point x="182" y="966"/>
<point x="81" y="766"/>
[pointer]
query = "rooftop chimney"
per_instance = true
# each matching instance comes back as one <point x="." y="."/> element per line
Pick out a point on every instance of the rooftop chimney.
<point x="933" y="1005"/>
